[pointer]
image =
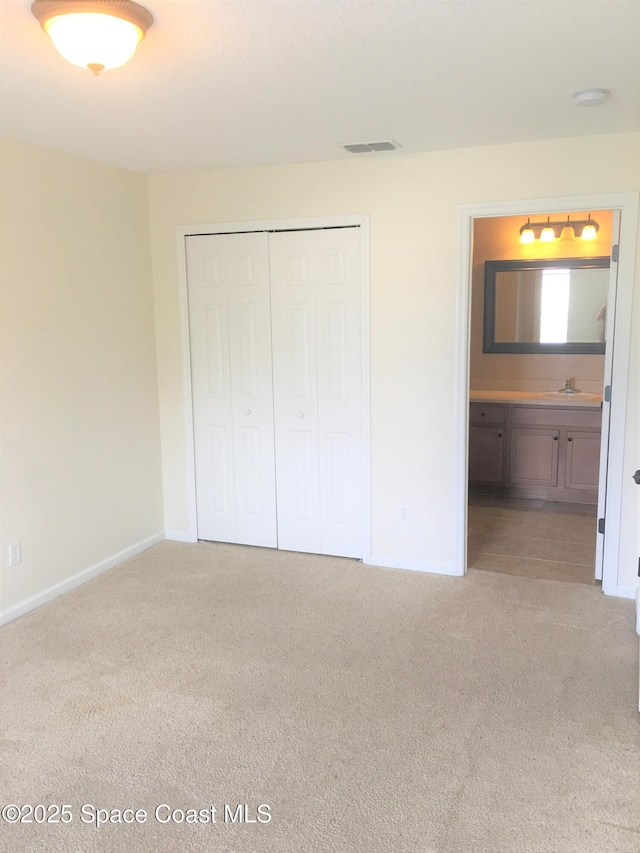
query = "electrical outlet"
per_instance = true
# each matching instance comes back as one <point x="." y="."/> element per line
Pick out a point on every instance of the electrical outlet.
<point x="405" y="514"/>
<point x="15" y="554"/>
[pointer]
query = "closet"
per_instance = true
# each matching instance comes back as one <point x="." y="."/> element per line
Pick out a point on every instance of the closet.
<point x="276" y="341"/>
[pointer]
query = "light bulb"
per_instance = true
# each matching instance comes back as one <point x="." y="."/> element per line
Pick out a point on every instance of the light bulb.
<point x="589" y="231"/>
<point x="548" y="235"/>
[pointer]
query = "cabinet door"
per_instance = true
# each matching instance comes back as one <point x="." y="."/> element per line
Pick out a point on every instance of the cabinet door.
<point x="486" y="454"/>
<point x="583" y="461"/>
<point x="534" y="457"/>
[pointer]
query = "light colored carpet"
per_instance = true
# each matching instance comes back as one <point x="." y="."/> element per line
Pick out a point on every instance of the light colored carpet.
<point x="375" y="711"/>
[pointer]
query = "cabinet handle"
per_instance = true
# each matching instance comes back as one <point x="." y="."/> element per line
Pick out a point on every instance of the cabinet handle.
<point x="555" y="437"/>
<point x="300" y="414"/>
<point x="499" y="435"/>
<point x="247" y="411"/>
<point x="569" y="439"/>
<point x="636" y="477"/>
<point x="481" y="414"/>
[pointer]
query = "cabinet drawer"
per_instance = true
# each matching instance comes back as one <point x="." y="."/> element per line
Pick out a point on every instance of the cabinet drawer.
<point x="556" y="417"/>
<point x="486" y="413"/>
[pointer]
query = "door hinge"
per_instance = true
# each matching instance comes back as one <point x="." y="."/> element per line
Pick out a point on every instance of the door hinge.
<point x="615" y="253"/>
<point x="607" y="393"/>
<point x="639" y="567"/>
<point x="601" y="525"/>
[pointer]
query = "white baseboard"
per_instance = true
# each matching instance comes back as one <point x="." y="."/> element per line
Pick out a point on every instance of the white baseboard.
<point x="180" y="536"/>
<point x="412" y="565"/>
<point x="623" y="592"/>
<point x="78" y="579"/>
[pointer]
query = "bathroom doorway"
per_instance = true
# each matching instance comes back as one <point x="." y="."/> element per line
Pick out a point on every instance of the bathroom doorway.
<point x="531" y="480"/>
<point x="536" y="383"/>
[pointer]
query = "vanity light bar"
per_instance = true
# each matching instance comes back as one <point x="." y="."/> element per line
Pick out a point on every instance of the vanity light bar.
<point x="549" y="231"/>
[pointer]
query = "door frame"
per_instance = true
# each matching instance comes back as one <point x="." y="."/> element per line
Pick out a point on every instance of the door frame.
<point x="627" y="204"/>
<point x="603" y="466"/>
<point x="311" y="223"/>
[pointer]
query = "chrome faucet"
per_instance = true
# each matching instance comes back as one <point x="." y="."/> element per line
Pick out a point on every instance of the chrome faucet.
<point x="568" y="388"/>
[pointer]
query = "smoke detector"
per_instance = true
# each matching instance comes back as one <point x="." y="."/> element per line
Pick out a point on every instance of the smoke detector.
<point x="591" y="97"/>
<point x="367" y="147"/>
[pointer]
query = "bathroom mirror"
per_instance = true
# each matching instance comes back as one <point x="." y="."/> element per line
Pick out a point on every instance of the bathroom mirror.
<point x="546" y="306"/>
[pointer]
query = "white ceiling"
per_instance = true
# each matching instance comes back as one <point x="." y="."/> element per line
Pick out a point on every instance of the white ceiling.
<point x="232" y="83"/>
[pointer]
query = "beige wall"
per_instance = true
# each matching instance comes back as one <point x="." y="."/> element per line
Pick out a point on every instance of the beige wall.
<point x="413" y="202"/>
<point x="496" y="239"/>
<point x="80" y="451"/>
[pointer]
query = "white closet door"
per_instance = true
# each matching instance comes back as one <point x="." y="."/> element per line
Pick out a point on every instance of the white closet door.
<point x="318" y="389"/>
<point x="231" y="371"/>
<point x="295" y="382"/>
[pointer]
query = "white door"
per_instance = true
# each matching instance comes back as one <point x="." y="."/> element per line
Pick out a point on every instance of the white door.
<point x="317" y="329"/>
<point x="231" y="372"/>
<point x="606" y="407"/>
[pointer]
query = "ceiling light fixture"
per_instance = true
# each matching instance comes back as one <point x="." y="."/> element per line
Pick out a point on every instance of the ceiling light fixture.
<point x="549" y="231"/>
<point x="94" y="34"/>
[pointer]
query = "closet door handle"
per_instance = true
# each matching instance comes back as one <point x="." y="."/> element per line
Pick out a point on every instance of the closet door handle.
<point x="636" y="477"/>
<point x="300" y="414"/>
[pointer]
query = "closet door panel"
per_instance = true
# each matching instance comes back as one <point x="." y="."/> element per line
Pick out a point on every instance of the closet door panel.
<point x="293" y="317"/>
<point x="317" y="345"/>
<point x="340" y="389"/>
<point x="230" y="332"/>
<point x="252" y="389"/>
<point x="211" y="389"/>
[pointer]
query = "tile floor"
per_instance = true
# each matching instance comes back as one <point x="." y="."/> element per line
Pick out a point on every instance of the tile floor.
<point x="532" y="538"/>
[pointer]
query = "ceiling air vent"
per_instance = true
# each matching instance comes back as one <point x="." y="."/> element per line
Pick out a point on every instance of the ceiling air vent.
<point x="366" y="147"/>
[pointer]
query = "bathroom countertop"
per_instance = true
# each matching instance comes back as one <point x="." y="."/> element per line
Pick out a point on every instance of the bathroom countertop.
<point x="538" y="398"/>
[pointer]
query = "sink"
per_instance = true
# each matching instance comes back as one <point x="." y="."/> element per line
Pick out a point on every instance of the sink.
<point x="576" y="397"/>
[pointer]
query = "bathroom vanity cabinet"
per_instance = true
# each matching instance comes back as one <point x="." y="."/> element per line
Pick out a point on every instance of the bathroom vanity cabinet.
<point x="535" y="451"/>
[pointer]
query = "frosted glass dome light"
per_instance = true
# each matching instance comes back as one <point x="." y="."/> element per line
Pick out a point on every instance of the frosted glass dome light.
<point x="548" y="235"/>
<point x="94" y="34"/>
